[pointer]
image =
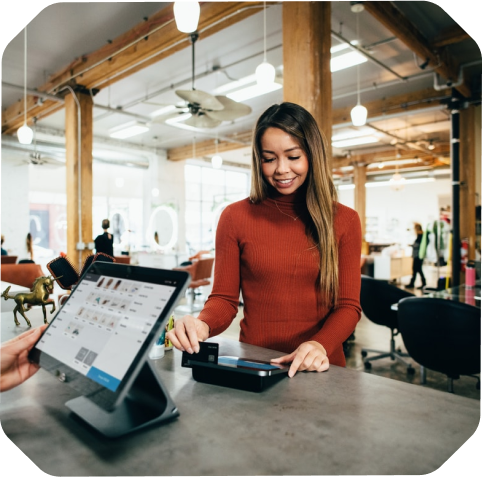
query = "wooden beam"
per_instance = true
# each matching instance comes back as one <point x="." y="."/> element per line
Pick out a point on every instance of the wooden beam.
<point x="208" y="147"/>
<point x="396" y="104"/>
<point x="360" y="178"/>
<point x="79" y="206"/>
<point x="145" y="44"/>
<point x="402" y="103"/>
<point x="467" y="173"/>
<point x="449" y="36"/>
<point x="306" y="59"/>
<point x="393" y="19"/>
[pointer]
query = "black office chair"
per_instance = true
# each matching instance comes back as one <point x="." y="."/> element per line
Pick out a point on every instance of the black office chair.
<point x="442" y="335"/>
<point x="376" y="299"/>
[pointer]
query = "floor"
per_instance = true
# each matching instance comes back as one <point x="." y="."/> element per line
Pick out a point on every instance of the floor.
<point x="369" y="335"/>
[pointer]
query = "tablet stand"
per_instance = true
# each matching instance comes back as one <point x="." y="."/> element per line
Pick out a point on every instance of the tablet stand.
<point x="147" y="402"/>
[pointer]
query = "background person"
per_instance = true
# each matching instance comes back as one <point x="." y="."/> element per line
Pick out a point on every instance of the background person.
<point x="4" y="252"/>
<point x="292" y="250"/>
<point x="105" y="242"/>
<point x="418" y="254"/>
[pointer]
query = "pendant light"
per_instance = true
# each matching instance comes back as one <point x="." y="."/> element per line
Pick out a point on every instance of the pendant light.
<point x="24" y="133"/>
<point x="265" y="72"/>
<point x="186" y="15"/>
<point x="397" y="182"/>
<point x="216" y="160"/>
<point x="358" y="113"/>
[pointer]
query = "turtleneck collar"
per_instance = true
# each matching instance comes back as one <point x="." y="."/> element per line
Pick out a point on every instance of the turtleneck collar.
<point x="297" y="197"/>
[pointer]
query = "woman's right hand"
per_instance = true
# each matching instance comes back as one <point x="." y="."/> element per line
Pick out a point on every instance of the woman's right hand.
<point x="187" y="333"/>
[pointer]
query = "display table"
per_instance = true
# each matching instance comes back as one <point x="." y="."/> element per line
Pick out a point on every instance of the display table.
<point x="392" y="268"/>
<point x="339" y="422"/>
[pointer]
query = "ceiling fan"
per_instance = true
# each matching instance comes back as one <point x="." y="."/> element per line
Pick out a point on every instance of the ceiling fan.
<point x="207" y="110"/>
<point x="36" y="158"/>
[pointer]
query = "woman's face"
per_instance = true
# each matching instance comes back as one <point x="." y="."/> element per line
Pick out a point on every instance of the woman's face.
<point x="283" y="163"/>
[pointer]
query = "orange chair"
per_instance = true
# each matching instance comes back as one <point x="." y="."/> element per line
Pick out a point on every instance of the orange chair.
<point x="122" y="259"/>
<point x="200" y="272"/>
<point x="9" y="259"/>
<point x="23" y="274"/>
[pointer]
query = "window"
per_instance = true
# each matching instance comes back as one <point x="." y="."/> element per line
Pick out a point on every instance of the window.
<point x="208" y="191"/>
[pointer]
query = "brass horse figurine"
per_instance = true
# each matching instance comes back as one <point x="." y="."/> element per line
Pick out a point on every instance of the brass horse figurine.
<point x="39" y="295"/>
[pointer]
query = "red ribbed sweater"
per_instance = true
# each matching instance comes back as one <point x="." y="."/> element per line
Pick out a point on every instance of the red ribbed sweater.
<point x="263" y="252"/>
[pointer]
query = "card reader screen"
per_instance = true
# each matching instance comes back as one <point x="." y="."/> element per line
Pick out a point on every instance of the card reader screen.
<point x="241" y="363"/>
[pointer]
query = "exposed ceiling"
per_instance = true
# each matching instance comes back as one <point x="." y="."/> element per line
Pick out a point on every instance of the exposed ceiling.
<point x="407" y="99"/>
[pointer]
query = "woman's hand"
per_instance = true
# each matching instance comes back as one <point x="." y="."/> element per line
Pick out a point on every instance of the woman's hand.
<point x="309" y="356"/>
<point x="187" y="333"/>
<point x="15" y="366"/>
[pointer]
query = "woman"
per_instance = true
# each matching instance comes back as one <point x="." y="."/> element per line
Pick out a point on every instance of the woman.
<point x="418" y="254"/>
<point x="292" y="250"/>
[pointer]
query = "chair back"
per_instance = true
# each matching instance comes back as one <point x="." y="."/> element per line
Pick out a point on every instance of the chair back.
<point x="376" y="299"/>
<point x="23" y="274"/>
<point x="202" y="269"/>
<point x="442" y="335"/>
<point x="9" y="259"/>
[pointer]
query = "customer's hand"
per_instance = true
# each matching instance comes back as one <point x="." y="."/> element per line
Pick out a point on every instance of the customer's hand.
<point x="187" y="333"/>
<point x="15" y="368"/>
<point x="309" y="356"/>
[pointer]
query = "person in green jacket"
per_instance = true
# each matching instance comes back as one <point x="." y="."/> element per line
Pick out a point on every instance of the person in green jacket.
<point x="419" y="248"/>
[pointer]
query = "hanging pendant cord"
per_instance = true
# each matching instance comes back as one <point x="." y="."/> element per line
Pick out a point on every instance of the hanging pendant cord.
<point x="358" y="66"/>
<point x="264" y="19"/>
<point x="25" y="74"/>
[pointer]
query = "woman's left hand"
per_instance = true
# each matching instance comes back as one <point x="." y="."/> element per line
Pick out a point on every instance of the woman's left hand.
<point x="309" y="356"/>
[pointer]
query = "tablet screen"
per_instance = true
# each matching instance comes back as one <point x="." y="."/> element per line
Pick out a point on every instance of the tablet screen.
<point x="105" y="326"/>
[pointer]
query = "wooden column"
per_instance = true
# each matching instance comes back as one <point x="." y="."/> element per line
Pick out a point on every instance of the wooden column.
<point x="360" y="179"/>
<point x="78" y="165"/>
<point x="306" y="60"/>
<point x="467" y="177"/>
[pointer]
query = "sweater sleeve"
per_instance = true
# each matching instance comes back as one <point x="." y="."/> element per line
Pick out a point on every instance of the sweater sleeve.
<point x="222" y="304"/>
<point x="342" y="320"/>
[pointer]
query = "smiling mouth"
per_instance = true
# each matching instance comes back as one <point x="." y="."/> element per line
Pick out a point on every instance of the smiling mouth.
<point x="285" y="181"/>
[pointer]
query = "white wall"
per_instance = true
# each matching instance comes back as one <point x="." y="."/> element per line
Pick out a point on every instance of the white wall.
<point x="15" y="208"/>
<point x="398" y="210"/>
<point x="18" y="179"/>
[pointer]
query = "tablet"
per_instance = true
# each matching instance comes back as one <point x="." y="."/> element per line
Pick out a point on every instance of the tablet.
<point x="101" y="337"/>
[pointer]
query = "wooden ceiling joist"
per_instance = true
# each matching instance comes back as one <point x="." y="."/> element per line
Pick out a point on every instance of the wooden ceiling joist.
<point x="398" y="24"/>
<point x="143" y="45"/>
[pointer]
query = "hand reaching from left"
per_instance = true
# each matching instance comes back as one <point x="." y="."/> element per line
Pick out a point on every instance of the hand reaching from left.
<point x="309" y="356"/>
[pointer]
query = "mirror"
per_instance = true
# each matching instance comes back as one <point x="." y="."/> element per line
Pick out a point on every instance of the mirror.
<point x="162" y="230"/>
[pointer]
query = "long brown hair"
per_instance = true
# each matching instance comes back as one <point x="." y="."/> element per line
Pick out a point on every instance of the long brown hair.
<point x="321" y="193"/>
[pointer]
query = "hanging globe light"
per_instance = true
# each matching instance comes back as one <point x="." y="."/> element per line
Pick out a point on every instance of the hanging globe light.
<point x="186" y="15"/>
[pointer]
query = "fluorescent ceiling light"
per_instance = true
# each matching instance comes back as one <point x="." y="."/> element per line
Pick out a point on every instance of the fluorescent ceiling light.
<point x="342" y="46"/>
<point x="352" y="133"/>
<point x="163" y="110"/>
<point x="253" y="91"/>
<point x="346" y="61"/>
<point x="371" y="185"/>
<point x="355" y="141"/>
<point x="178" y="119"/>
<point x="406" y="181"/>
<point x="130" y="129"/>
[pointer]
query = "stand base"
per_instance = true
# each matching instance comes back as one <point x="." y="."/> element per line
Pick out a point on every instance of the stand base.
<point x="146" y="404"/>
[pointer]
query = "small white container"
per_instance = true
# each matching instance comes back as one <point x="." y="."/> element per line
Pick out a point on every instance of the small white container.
<point x="158" y="348"/>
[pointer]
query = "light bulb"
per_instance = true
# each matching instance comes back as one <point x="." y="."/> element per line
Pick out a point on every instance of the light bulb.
<point x="265" y="73"/>
<point x="25" y="134"/>
<point x="186" y="15"/>
<point x="359" y="115"/>
<point x="155" y="192"/>
<point x="217" y="162"/>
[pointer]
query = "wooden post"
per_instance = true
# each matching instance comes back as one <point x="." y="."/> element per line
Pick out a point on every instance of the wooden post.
<point x="467" y="177"/>
<point x="360" y="178"/>
<point x="78" y="145"/>
<point x="306" y="60"/>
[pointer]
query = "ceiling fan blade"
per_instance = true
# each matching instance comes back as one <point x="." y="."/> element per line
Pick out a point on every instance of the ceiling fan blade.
<point x="202" y="121"/>
<point x="232" y="110"/>
<point x="204" y="100"/>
